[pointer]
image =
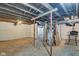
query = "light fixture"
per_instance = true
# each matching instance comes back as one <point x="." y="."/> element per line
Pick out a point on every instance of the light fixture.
<point x="19" y="22"/>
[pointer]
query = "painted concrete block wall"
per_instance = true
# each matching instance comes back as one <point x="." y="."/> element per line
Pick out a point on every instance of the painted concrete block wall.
<point x="9" y="31"/>
<point x="65" y="30"/>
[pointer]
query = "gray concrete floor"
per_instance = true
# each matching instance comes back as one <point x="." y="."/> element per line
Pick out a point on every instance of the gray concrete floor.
<point x="39" y="50"/>
<point x="30" y="50"/>
<point x="66" y="49"/>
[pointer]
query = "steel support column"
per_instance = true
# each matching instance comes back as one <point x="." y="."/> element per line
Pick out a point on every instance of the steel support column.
<point x="34" y="33"/>
<point x="51" y="33"/>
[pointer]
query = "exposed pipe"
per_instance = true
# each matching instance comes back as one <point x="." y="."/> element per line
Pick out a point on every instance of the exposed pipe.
<point x="20" y="9"/>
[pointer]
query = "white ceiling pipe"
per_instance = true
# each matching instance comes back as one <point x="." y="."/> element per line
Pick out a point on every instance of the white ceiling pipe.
<point x="50" y="8"/>
<point x="53" y="10"/>
<point x="32" y="7"/>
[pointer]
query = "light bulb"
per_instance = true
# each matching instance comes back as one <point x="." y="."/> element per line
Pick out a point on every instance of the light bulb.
<point x="19" y="22"/>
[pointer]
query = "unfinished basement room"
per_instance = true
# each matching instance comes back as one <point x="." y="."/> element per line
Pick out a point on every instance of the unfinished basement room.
<point x="39" y="29"/>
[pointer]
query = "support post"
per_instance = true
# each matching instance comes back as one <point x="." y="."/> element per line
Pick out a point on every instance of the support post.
<point x="60" y="31"/>
<point x="46" y="32"/>
<point x="34" y="33"/>
<point x="51" y="33"/>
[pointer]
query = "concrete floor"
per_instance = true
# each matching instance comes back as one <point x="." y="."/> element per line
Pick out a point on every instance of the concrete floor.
<point x="38" y="50"/>
<point x="66" y="49"/>
<point x="24" y="47"/>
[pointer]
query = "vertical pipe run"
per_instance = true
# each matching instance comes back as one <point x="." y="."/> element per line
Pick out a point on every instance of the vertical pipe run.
<point x="60" y="31"/>
<point x="51" y="33"/>
<point x="34" y="33"/>
<point x="46" y="32"/>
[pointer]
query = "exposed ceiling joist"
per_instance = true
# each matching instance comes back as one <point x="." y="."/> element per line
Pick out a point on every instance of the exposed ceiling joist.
<point x="50" y="8"/>
<point x="26" y="4"/>
<point x="7" y="20"/>
<point x="53" y="10"/>
<point x="11" y="14"/>
<point x="14" y="21"/>
<point x="62" y="5"/>
<point x="25" y="11"/>
<point x="17" y="14"/>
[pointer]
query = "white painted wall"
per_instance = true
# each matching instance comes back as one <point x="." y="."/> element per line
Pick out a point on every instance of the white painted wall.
<point x="9" y="31"/>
